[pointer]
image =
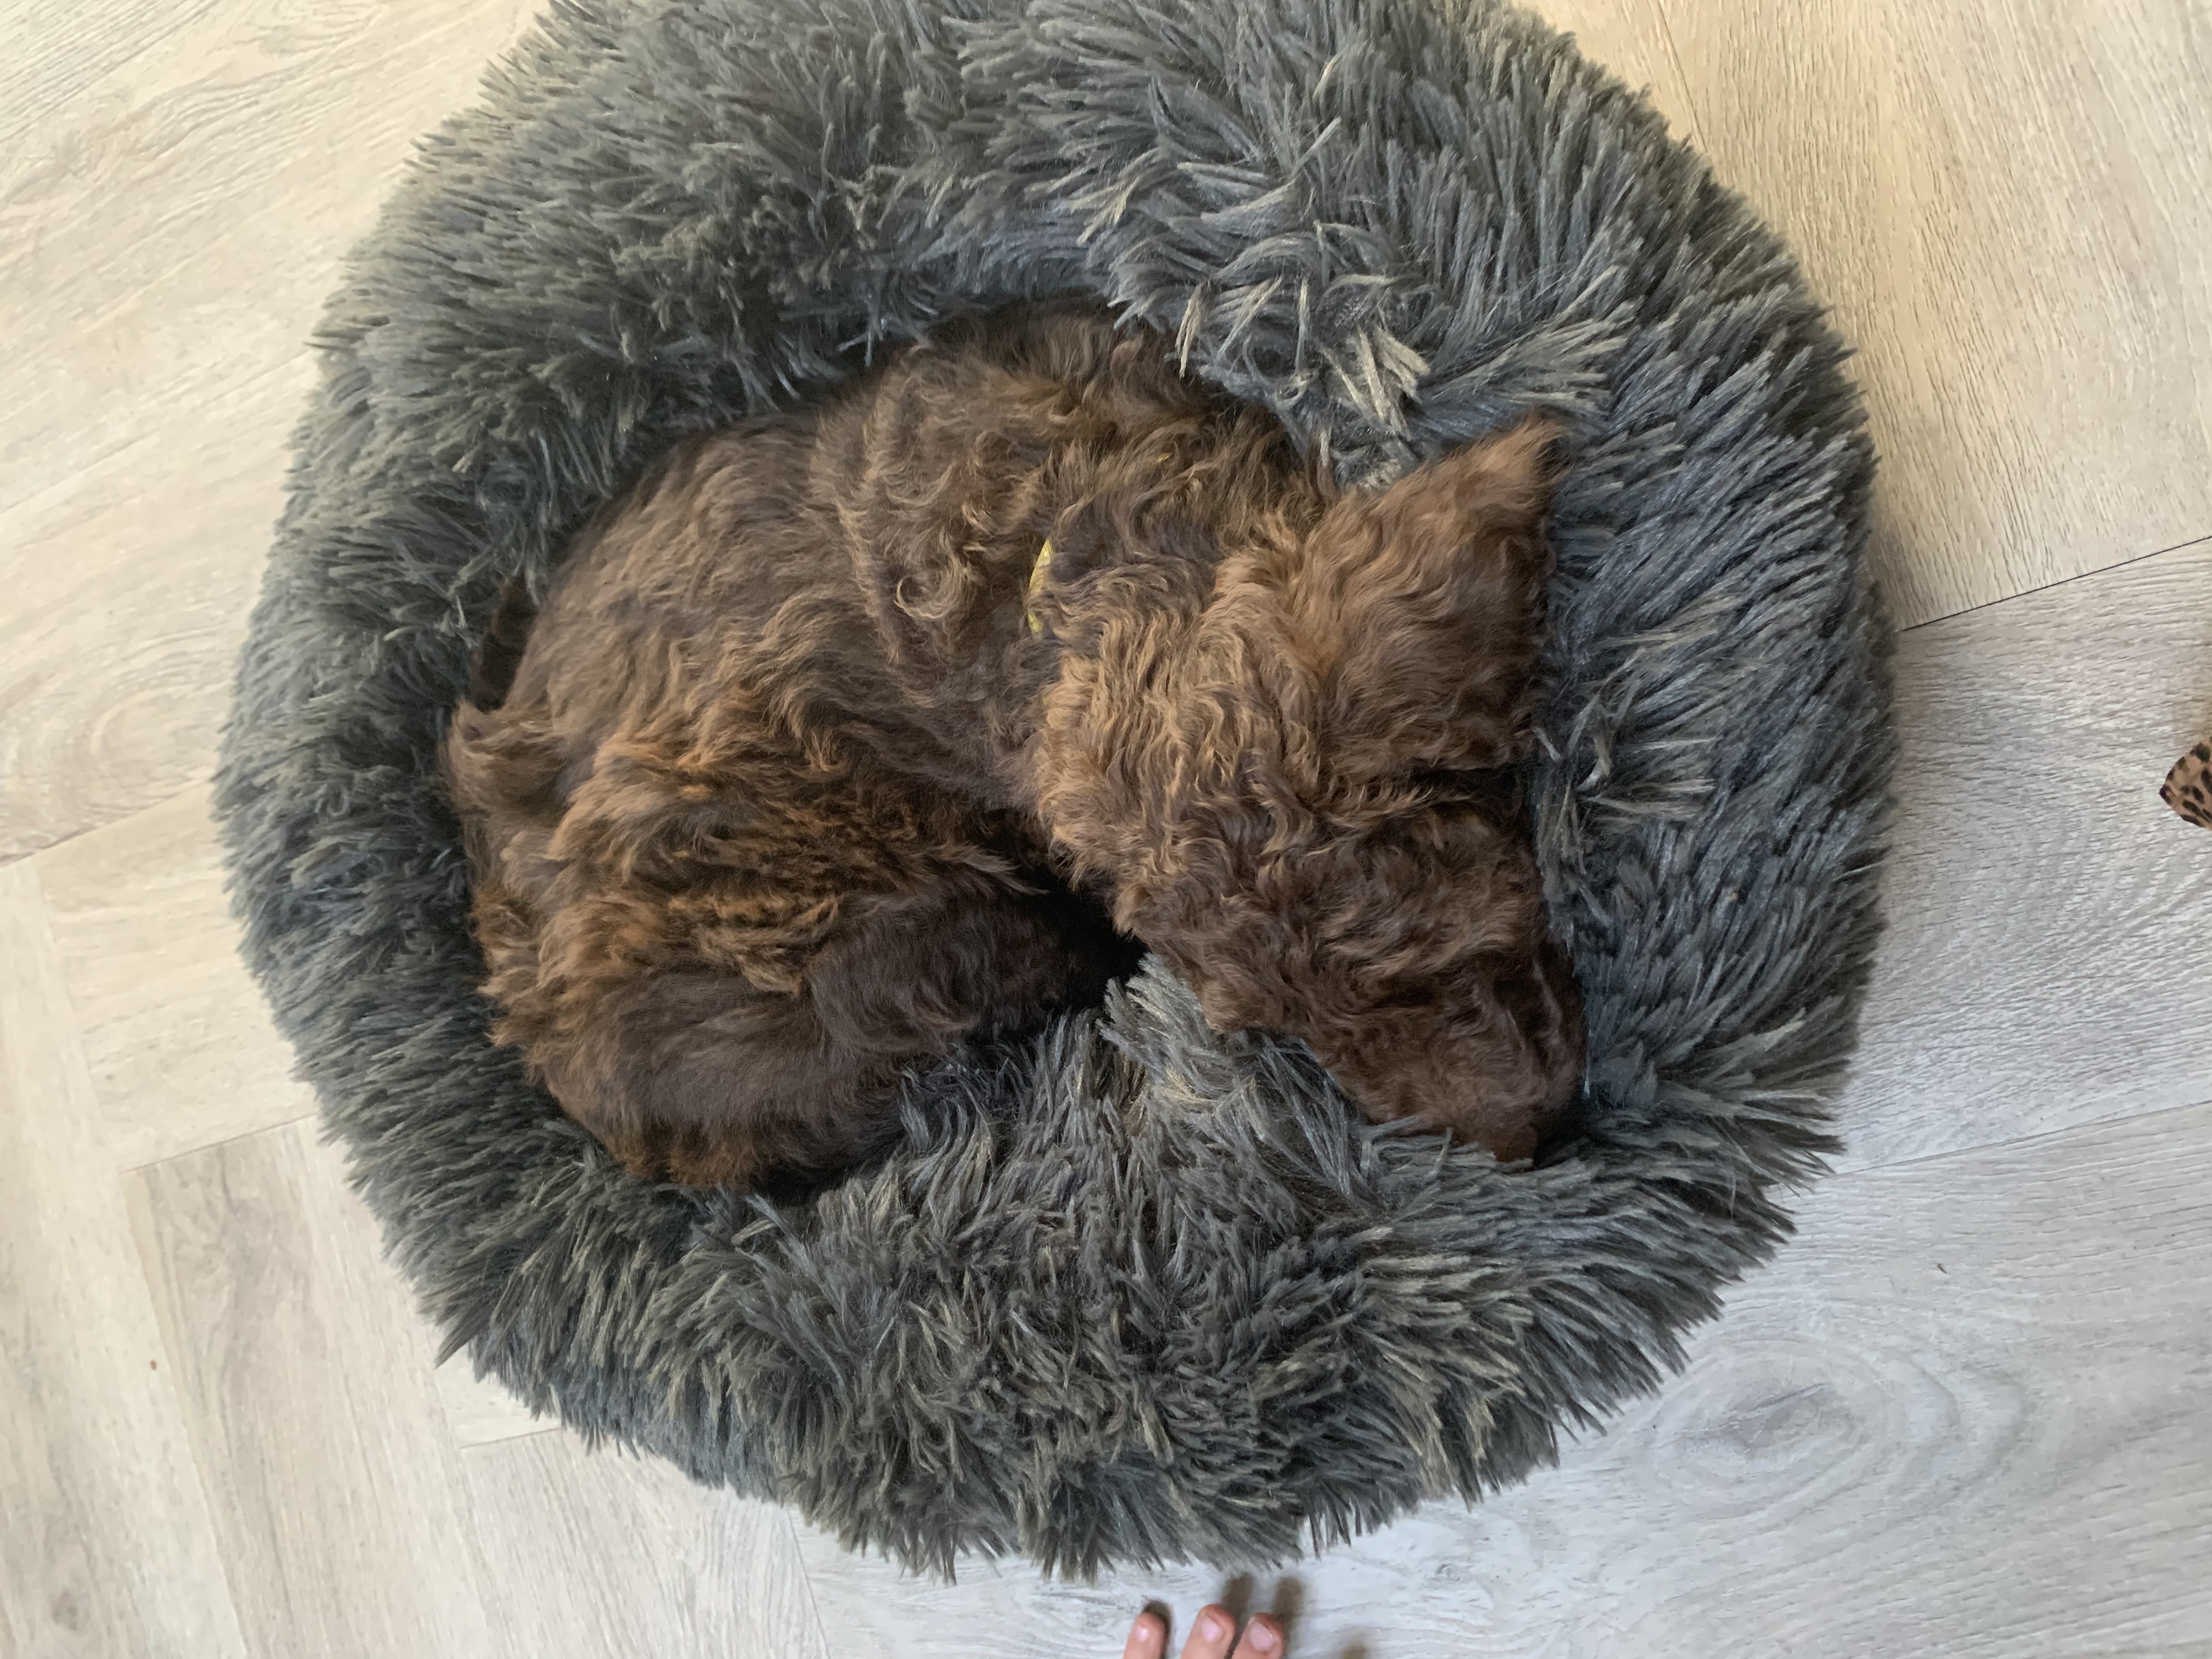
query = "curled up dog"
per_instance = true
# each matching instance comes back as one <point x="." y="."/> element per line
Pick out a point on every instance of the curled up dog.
<point x="849" y="738"/>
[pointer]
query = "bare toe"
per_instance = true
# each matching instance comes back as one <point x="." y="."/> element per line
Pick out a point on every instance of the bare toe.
<point x="1213" y="1633"/>
<point x="1263" y="1639"/>
<point x="1148" y="1637"/>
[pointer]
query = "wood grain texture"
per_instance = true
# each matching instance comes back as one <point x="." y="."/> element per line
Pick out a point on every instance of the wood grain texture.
<point x="2010" y="207"/>
<point x="181" y="1045"/>
<point x="172" y="228"/>
<point x="2046" y="913"/>
<point x="106" y="1546"/>
<point x="169" y="226"/>
<point x="55" y="52"/>
<point x="1963" y="1415"/>
<point x="306" y="1377"/>
<point x="598" y="1555"/>
<point x="479" y="1411"/>
<point x="129" y="582"/>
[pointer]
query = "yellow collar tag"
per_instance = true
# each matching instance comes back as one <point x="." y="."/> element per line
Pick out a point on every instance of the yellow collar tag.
<point x="1037" y="585"/>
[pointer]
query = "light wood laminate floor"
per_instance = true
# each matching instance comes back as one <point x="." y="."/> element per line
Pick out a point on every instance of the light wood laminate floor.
<point x="1969" y="1413"/>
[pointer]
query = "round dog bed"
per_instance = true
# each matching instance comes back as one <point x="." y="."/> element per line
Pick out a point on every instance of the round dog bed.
<point x="1130" y="1291"/>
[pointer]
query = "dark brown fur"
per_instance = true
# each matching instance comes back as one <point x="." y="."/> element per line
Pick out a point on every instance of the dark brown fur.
<point x="797" y="784"/>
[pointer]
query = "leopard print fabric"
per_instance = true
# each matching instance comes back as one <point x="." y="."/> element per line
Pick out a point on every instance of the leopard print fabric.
<point x="2188" y="787"/>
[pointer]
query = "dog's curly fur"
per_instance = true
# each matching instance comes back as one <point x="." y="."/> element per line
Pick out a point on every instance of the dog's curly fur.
<point x="815" y="766"/>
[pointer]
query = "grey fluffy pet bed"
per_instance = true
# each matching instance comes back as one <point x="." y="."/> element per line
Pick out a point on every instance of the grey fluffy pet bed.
<point x="1132" y="1292"/>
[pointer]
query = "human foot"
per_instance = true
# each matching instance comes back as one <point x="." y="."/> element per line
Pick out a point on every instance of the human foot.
<point x="1213" y="1635"/>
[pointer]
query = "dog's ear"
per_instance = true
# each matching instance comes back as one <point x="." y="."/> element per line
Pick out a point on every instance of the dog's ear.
<point x="1418" y="607"/>
<point x="1420" y="526"/>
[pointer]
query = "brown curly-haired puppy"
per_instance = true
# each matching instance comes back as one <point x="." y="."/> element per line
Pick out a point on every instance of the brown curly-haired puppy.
<point x="847" y="739"/>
